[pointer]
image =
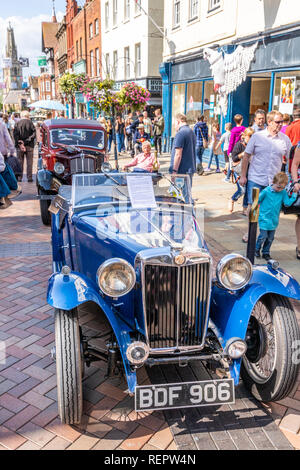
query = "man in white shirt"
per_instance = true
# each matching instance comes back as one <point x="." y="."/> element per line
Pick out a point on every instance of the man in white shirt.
<point x="263" y="155"/>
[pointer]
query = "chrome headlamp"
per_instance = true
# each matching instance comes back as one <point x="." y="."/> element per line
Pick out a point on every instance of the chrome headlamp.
<point x="234" y="271"/>
<point x="59" y="168"/>
<point x="137" y="352"/>
<point x="116" y="277"/>
<point x="236" y="348"/>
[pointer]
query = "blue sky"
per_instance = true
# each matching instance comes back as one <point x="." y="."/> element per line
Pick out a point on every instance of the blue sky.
<point x="29" y="8"/>
<point x="26" y="17"/>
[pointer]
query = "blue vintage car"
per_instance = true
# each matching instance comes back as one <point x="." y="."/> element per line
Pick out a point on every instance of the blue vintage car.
<point x="131" y="244"/>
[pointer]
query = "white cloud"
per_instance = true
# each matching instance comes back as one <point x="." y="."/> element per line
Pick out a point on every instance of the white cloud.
<point x="28" y="38"/>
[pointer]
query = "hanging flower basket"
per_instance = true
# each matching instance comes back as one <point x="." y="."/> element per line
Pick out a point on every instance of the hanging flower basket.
<point x="70" y="83"/>
<point x="133" y="96"/>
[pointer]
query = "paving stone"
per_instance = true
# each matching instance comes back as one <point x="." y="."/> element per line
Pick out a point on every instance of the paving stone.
<point x="39" y="401"/>
<point x="36" y="434"/>
<point x="23" y="387"/>
<point x="162" y="438"/>
<point x="84" y="443"/>
<point x="9" y="439"/>
<point x="12" y="403"/>
<point x="137" y="439"/>
<point x="5" y="415"/>
<point x="112" y="440"/>
<point x="291" y="421"/>
<point x="46" y="416"/>
<point x="37" y="372"/>
<point x="63" y="430"/>
<point x="6" y="385"/>
<point x="58" y="443"/>
<point x="22" y="418"/>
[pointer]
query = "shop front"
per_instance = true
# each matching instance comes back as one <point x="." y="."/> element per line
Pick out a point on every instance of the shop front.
<point x="272" y="82"/>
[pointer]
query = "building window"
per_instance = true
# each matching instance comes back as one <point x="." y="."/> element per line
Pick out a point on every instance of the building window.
<point x="193" y="13"/>
<point x="138" y="68"/>
<point x="126" y="9"/>
<point x="176" y="18"/>
<point x="77" y="50"/>
<point x="91" y="31"/>
<point x="92" y="63"/>
<point x="115" y="12"/>
<point x="107" y="65"/>
<point x="97" y="58"/>
<point x="137" y="8"/>
<point x="81" y="48"/>
<point x="96" y="27"/>
<point x="213" y="5"/>
<point x="126" y="63"/>
<point x="48" y="86"/>
<point x="106" y="15"/>
<point x="115" y="65"/>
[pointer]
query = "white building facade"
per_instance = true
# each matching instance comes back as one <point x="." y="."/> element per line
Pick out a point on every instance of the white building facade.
<point x="132" y="46"/>
<point x="192" y="25"/>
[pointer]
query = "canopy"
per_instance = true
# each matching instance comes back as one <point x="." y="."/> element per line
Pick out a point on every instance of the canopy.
<point x="48" y="104"/>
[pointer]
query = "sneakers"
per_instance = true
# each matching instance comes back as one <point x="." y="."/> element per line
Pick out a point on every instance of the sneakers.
<point x="207" y="170"/>
<point x="200" y="169"/>
<point x="257" y="254"/>
<point x="266" y="256"/>
<point x="226" y="180"/>
<point x="218" y="170"/>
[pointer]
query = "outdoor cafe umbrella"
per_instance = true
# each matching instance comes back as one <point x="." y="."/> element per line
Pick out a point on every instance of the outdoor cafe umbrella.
<point x="48" y="104"/>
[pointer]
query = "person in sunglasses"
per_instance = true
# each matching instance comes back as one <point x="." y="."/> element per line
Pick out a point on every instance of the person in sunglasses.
<point x="264" y="154"/>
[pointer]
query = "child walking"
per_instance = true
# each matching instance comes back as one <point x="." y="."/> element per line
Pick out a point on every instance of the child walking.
<point x="225" y="139"/>
<point x="271" y="200"/>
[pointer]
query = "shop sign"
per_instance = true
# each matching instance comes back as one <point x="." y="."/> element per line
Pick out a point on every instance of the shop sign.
<point x="42" y="61"/>
<point x="79" y="98"/>
<point x="287" y="95"/>
<point x="79" y="67"/>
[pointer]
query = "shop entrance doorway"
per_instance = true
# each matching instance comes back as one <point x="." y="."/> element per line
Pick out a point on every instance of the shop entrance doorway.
<point x="260" y="95"/>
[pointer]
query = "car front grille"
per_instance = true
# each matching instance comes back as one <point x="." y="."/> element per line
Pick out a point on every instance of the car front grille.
<point x="82" y="165"/>
<point x="176" y="304"/>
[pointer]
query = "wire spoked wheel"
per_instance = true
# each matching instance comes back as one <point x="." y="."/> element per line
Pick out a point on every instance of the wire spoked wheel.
<point x="269" y="369"/>
<point x="261" y="342"/>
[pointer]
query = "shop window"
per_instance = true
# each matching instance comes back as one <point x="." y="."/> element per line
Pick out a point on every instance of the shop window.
<point x="286" y="97"/>
<point x="211" y="109"/>
<point x="178" y="102"/>
<point x="193" y="102"/>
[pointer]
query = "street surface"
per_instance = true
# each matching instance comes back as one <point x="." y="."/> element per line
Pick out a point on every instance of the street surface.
<point x="28" y="407"/>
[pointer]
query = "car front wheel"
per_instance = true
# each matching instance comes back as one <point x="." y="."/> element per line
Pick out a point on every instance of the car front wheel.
<point x="68" y="366"/>
<point x="270" y="367"/>
<point x="44" y="206"/>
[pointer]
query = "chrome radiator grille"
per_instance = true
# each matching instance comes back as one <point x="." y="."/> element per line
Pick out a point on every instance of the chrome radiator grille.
<point x="82" y="165"/>
<point x="176" y="302"/>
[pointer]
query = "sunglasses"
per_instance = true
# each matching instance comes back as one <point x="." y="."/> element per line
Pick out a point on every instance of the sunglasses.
<point x="278" y="122"/>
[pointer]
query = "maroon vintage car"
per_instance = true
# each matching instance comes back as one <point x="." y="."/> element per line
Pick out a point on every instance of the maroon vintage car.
<point x="68" y="147"/>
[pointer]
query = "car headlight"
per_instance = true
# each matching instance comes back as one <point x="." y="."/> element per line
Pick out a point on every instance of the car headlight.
<point x="116" y="277"/>
<point x="137" y="352"/>
<point x="236" y="348"/>
<point x="234" y="271"/>
<point x="59" y="168"/>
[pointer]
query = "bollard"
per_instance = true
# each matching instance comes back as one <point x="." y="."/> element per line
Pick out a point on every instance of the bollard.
<point x="253" y="220"/>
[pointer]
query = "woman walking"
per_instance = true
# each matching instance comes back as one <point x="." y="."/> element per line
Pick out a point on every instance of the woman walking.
<point x="214" y="151"/>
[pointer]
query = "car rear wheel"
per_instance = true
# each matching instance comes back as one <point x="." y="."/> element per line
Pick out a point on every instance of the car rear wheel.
<point x="44" y="206"/>
<point x="69" y="366"/>
<point x="269" y="369"/>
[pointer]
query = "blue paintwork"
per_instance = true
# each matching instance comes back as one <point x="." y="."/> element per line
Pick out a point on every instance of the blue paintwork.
<point x="44" y="178"/>
<point x="82" y="244"/>
<point x="231" y="312"/>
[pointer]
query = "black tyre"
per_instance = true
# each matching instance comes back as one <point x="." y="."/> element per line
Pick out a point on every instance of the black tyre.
<point x="68" y="366"/>
<point x="44" y="206"/>
<point x="268" y="369"/>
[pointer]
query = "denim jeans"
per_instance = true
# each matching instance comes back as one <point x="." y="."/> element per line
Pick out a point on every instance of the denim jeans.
<point x="211" y="155"/>
<point x="120" y="142"/>
<point x="109" y="142"/>
<point x="239" y="191"/>
<point x="265" y="238"/>
<point x="250" y="186"/>
<point x="199" y="154"/>
<point x="8" y="181"/>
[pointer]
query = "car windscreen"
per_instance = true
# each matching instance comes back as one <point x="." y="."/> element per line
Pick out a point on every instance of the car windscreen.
<point x="95" y="189"/>
<point x="91" y="138"/>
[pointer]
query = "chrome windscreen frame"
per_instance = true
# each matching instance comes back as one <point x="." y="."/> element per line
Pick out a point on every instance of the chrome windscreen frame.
<point x="166" y="257"/>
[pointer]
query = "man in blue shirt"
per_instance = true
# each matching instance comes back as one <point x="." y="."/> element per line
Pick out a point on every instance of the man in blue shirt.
<point x="201" y="133"/>
<point x="183" y="157"/>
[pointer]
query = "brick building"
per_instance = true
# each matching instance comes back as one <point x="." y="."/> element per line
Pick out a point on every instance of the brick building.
<point x="71" y="12"/>
<point x="46" y="89"/>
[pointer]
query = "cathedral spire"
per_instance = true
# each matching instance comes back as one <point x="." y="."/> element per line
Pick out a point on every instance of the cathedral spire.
<point x="54" y="20"/>
<point x="11" y="48"/>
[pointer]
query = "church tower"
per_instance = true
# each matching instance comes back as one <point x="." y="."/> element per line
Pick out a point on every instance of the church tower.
<point x="13" y="73"/>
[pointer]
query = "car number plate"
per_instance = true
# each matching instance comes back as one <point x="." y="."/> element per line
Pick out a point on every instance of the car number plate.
<point x="184" y="395"/>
